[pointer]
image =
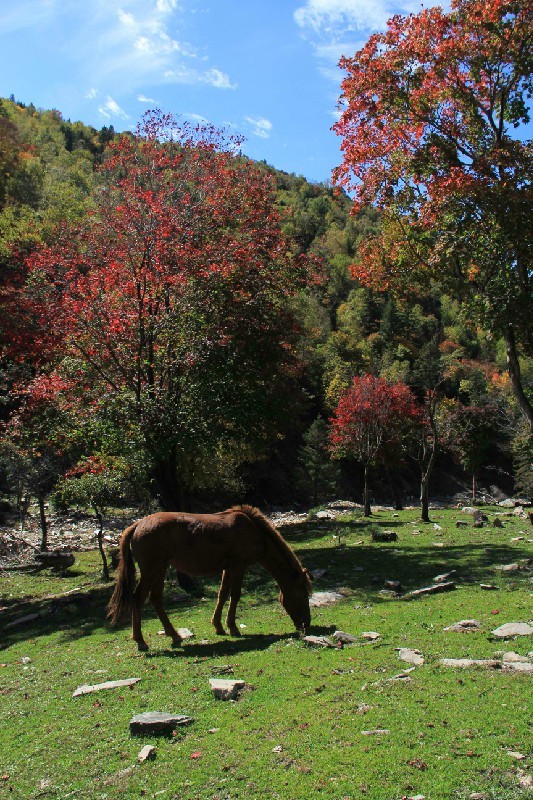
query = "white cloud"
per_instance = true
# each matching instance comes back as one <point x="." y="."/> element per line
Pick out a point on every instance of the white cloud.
<point x="143" y="99"/>
<point x="91" y="94"/>
<point x="334" y="16"/>
<point x="260" y="126"/>
<point x="112" y="109"/>
<point x="218" y="79"/>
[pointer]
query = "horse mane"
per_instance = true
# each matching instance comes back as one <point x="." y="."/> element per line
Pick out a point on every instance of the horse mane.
<point x="284" y="547"/>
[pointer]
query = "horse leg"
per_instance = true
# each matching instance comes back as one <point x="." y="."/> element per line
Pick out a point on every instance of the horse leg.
<point x="223" y="594"/>
<point x="156" y="598"/>
<point x="140" y="595"/>
<point x="235" y="596"/>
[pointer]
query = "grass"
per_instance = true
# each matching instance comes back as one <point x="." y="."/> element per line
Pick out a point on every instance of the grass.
<point x="296" y="731"/>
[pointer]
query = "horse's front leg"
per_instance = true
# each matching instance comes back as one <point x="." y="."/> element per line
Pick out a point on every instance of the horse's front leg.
<point x="156" y="598"/>
<point x="235" y="595"/>
<point x="223" y="594"/>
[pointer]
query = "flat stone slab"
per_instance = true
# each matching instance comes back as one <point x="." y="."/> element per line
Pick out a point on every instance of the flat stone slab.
<point x="515" y="657"/>
<point x="318" y="641"/>
<point x="513" y="629"/>
<point x="157" y="723"/>
<point x="446" y="576"/>
<point x="464" y="626"/>
<point x="411" y="655"/>
<point x="489" y="587"/>
<point x="436" y="589"/>
<point x="226" y="689"/>
<point x="345" y="638"/>
<point x="376" y="732"/>
<point x="509" y="666"/>
<point x="319" y="599"/>
<point x="507" y="567"/>
<point x="97" y="687"/>
<point x="23" y="620"/>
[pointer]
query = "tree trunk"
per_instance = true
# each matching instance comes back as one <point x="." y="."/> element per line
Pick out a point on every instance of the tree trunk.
<point x="513" y="367"/>
<point x="44" y="525"/>
<point x="474" y="488"/>
<point x="99" y="537"/>
<point x="170" y="491"/>
<point x="366" y="500"/>
<point x="395" y="492"/>
<point x="424" y="498"/>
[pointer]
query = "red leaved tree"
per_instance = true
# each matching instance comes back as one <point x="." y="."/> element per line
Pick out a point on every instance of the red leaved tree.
<point x="372" y="424"/>
<point x="170" y="301"/>
<point x="431" y="133"/>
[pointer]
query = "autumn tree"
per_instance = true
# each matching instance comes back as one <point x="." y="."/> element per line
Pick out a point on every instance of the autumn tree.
<point x="171" y="299"/>
<point x="371" y="424"/>
<point x="431" y="125"/>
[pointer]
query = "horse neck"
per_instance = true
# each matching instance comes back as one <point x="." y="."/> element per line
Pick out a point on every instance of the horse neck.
<point x="278" y="564"/>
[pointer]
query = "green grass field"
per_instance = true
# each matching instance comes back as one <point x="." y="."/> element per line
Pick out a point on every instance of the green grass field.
<point x="297" y="729"/>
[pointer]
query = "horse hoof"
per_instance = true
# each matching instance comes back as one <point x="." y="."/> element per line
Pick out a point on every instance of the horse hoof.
<point x="142" y="647"/>
<point x="221" y="632"/>
<point x="235" y="632"/>
<point x="176" y="642"/>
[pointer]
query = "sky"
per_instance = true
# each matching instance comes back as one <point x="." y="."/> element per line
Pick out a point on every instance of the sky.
<point x="266" y="69"/>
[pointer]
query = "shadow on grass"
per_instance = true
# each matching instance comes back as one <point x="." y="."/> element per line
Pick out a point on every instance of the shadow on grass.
<point x="360" y="568"/>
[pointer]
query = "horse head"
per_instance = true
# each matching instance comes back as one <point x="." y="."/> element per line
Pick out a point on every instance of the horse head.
<point x="295" y="599"/>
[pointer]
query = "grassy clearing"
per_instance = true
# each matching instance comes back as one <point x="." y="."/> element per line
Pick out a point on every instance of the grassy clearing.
<point x="296" y="731"/>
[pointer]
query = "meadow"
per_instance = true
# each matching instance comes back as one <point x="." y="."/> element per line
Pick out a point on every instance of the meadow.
<point x="333" y="722"/>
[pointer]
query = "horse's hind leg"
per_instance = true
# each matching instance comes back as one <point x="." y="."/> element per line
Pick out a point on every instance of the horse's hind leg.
<point x="140" y="595"/>
<point x="156" y="598"/>
<point x="235" y="596"/>
<point x="223" y="594"/>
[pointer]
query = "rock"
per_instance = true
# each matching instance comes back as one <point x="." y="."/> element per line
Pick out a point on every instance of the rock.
<point x="518" y="539"/>
<point x="439" y="587"/>
<point x="319" y="599"/>
<point x="515" y="657"/>
<point x="461" y="523"/>
<point x="384" y="536"/>
<point x="395" y="586"/>
<point x="446" y="576"/>
<point x="470" y="662"/>
<point x="318" y="641"/>
<point x="326" y="515"/>
<point x="438" y="544"/>
<point x="157" y="723"/>
<point x="316" y="574"/>
<point x="479" y="796"/>
<point x="22" y="620"/>
<point x="226" y="689"/>
<point x="345" y="638"/>
<point x="412" y="656"/>
<point x="85" y="689"/>
<point x="402" y="676"/>
<point x="437" y="527"/>
<point x="519" y="666"/>
<point x="370" y="636"/>
<point x="507" y="503"/>
<point x="55" y="559"/>
<point x="147" y="753"/>
<point x="185" y="633"/>
<point x="507" y="567"/>
<point x="497" y="523"/>
<point x="514" y="754"/>
<point x="375" y="732"/>
<point x="464" y="625"/>
<point x="489" y="587"/>
<point x="513" y="629"/>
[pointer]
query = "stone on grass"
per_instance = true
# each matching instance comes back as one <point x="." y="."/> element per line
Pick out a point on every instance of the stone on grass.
<point x="147" y="753"/>
<point x="437" y="588"/>
<point x="319" y="599"/>
<point x="507" y="503"/>
<point x="23" y="620"/>
<point x="85" y="689"/>
<point x="489" y="587"/>
<point x="345" y="638"/>
<point x="470" y="662"/>
<point x="507" y="567"/>
<point x="515" y="657"/>
<point x="411" y="655"/>
<point x="513" y="629"/>
<point x="384" y="536"/>
<point x="446" y="576"/>
<point x="461" y="523"/>
<point x="318" y="641"/>
<point x="376" y="732"/>
<point x="370" y="636"/>
<point x="395" y="586"/>
<point x="497" y="523"/>
<point x="157" y="723"/>
<point x="464" y="625"/>
<point x="226" y="689"/>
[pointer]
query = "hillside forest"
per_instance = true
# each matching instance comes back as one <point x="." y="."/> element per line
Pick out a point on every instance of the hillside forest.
<point x="182" y="326"/>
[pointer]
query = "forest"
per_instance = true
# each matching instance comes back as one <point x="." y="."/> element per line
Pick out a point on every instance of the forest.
<point x="182" y="326"/>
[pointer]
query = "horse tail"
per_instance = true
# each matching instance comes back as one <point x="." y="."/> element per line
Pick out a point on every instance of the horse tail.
<point x="121" y="602"/>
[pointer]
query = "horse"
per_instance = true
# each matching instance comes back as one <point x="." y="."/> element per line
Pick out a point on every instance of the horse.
<point x="227" y="542"/>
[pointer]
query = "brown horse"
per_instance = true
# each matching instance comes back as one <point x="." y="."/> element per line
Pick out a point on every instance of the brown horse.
<point x="205" y="544"/>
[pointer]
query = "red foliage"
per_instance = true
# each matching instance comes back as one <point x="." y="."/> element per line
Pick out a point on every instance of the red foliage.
<point x="373" y="419"/>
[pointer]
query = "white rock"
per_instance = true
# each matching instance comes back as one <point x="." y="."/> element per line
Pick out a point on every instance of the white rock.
<point x="411" y="655"/>
<point x="513" y="629"/>
<point x="226" y="689"/>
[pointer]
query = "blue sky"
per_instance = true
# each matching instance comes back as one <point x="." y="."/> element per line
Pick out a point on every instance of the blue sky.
<point x="265" y="68"/>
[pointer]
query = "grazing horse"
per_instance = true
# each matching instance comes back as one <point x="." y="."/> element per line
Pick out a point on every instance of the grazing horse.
<point x="205" y="544"/>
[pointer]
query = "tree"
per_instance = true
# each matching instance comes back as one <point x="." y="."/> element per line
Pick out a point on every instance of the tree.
<point x="467" y="432"/>
<point x="372" y="423"/>
<point x="430" y="113"/>
<point x="172" y="299"/>
<point x="317" y="474"/>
